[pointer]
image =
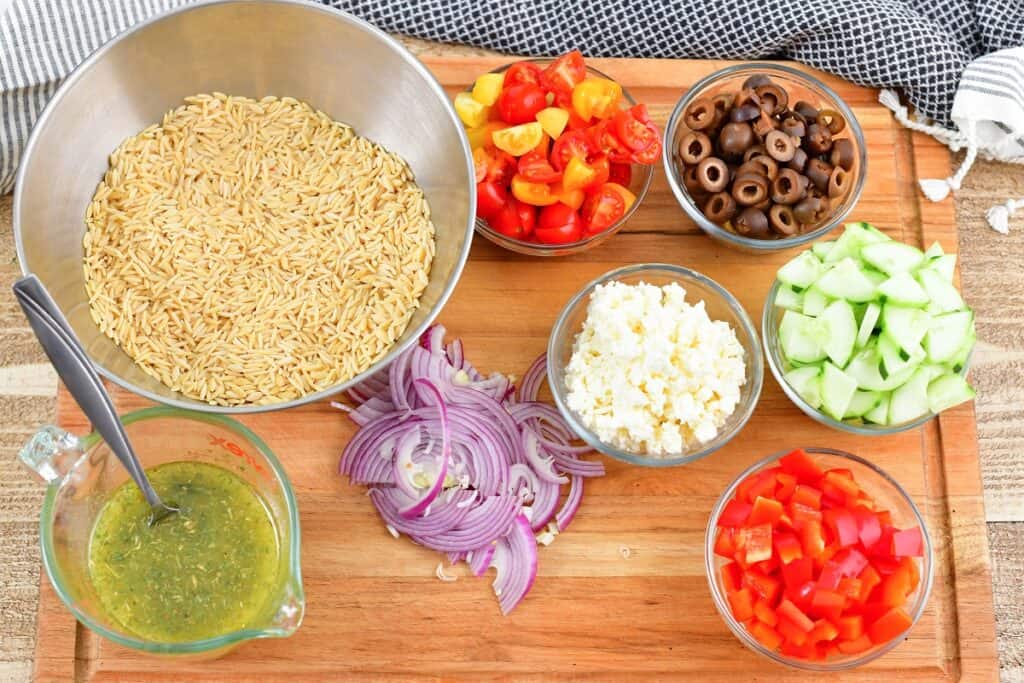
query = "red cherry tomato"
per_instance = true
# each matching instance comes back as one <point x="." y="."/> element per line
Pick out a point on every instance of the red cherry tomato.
<point x="562" y="75"/>
<point x="494" y="165"/>
<point x="621" y="174"/>
<point x="559" y="224"/>
<point x="535" y="167"/>
<point x="520" y="103"/>
<point x="571" y="143"/>
<point x="575" y="122"/>
<point x="648" y="156"/>
<point x="636" y="134"/>
<point x="603" y="139"/>
<point x="640" y="112"/>
<point x="516" y="220"/>
<point x="522" y="72"/>
<point x="601" y="209"/>
<point x="527" y="217"/>
<point x="601" y="165"/>
<point x="491" y="198"/>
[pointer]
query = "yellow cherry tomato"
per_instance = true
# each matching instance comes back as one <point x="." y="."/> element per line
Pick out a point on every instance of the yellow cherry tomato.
<point x="487" y="88"/>
<point x="535" y="194"/>
<point x="596" y="97"/>
<point x="518" y="140"/>
<point x="577" y="174"/>
<point x="471" y="112"/>
<point x="627" y="197"/>
<point x="571" y="198"/>
<point x="553" y="120"/>
<point x="481" y="136"/>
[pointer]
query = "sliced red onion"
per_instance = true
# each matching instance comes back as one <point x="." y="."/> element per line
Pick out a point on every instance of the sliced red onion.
<point x="495" y="462"/>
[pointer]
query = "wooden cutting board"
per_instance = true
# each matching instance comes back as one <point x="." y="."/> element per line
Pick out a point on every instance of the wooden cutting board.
<point x="621" y="595"/>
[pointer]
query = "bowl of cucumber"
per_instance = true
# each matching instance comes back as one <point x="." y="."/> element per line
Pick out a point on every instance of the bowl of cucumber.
<point x="869" y="335"/>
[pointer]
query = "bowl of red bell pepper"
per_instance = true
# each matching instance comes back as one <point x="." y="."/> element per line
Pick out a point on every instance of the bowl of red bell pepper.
<point x="817" y="559"/>
<point x="563" y="154"/>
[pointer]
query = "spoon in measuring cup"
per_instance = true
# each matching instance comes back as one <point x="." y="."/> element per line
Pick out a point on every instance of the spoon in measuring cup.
<point x="74" y="368"/>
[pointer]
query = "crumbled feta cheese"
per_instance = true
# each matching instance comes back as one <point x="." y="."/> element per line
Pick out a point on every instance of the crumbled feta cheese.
<point x="651" y="373"/>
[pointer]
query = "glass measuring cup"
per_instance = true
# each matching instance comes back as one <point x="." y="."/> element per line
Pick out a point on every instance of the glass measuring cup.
<point x="81" y="474"/>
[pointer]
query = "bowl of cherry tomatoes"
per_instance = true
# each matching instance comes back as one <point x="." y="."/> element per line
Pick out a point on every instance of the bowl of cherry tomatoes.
<point x="563" y="154"/>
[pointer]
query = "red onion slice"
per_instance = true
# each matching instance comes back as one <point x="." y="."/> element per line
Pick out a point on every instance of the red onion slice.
<point x="515" y="559"/>
<point x="417" y="508"/>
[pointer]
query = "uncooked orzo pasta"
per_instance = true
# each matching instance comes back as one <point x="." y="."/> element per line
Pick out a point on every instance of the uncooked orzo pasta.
<point x="252" y="252"/>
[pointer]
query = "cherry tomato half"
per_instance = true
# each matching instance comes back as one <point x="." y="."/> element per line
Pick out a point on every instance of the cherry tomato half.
<point x="571" y="143"/>
<point x="650" y="155"/>
<point x="562" y="75"/>
<point x="602" y="138"/>
<point x="491" y="198"/>
<point x="621" y="174"/>
<point x="596" y="97"/>
<point x="601" y="209"/>
<point x="493" y="165"/>
<point x="535" y="194"/>
<point x="636" y="134"/>
<point x="520" y="103"/>
<point x="522" y="72"/>
<point x="559" y="224"/>
<point x="516" y="220"/>
<point x="535" y="167"/>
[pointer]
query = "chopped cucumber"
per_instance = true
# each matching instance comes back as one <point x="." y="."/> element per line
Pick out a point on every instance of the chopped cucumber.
<point x="814" y="302"/>
<point x="934" y="251"/>
<point x="903" y="289"/>
<point x="880" y="413"/>
<point x="802" y="337"/>
<point x="943" y="294"/>
<point x="943" y="265"/>
<point x="867" y="324"/>
<point x="802" y="271"/>
<point x="866" y="368"/>
<point x="853" y="239"/>
<point x="789" y="299"/>
<point x="946" y="335"/>
<point x="905" y="326"/>
<point x="947" y="391"/>
<point x="821" y="249"/>
<point x="842" y="331"/>
<point x="862" y="403"/>
<point x="910" y="401"/>
<point x="847" y="281"/>
<point x="894" y="359"/>
<point x="892" y="257"/>
<point x="837" y="389"/>
<point x="959" y="361"/>
<point x="806" y="381"/>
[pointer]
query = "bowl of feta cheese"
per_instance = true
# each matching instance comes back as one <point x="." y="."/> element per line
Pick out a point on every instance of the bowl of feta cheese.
<point x="655" y="365"/>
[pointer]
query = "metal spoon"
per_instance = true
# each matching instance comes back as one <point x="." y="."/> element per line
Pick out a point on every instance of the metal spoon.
<point x="74" y="368"/>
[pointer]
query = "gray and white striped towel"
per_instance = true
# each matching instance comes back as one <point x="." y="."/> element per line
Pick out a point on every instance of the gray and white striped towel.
<point x="922" y="47"/>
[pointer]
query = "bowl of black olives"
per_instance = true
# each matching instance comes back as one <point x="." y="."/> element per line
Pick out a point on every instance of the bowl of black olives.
<point x="764" y="156"/>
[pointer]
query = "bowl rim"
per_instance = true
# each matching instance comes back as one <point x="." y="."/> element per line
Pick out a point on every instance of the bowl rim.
<point x="740" y="631"/>
<point x="683" y="275"/>
<point x="179" y="400"/>
<point x="540" y="249"/>
<point x="690" y="207"/>
<point x="775" y="365"/>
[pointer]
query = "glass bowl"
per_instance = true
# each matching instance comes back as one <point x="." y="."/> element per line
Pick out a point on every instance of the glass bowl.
<point x="720" y="305"/>
<point x="888" y="494"/>
<point x="770" y="321"/>
<point x="800" y="86"/>
<point x="639" y="183"/>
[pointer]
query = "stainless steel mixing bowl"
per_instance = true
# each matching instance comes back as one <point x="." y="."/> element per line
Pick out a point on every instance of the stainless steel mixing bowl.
<point x="339" y="64"/>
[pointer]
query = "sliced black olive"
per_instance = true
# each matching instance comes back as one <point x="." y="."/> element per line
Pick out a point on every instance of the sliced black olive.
<point x="806" y="110"/>
<point x="773" y="98"/>
<point x="735" y="138"/>
<point x="712" y="174"/>
<point x="753" y="152"/>
<point x="794" y="127"/>
<point x="720" y="207"/>
<point x="694" y="147"/>
<point x="818" y="171"/>
<point x="700" y="114"/>
<point x="838" y="182"/>
<point x="756" y="81"/>
<point x="799" y="160"/>
<point x="780" y="146"/>
<point x="832" y="120"/>
<point x="764" y="124"/>
<point x="818" y="139"/>
<point x="843" y="154"/>
<point x="747" y="112"/>
<point x="752" y="223"/>
<point x="723" y="105"/>
<point x="761" y="164"/>
<point x="749" y="189"/>
<point x="807" y="209"/>
<point x="691" y="182"/>
<point x="783" y="221"/>
<point x="747" y="96"/>
<point x="789" y="187"/>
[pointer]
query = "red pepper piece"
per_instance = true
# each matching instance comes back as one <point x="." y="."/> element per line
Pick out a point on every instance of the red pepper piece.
<point x="742" y="604"/>
<point x="802" y="466"/>
<point x="890" y="625"/>
<point x="765" y="511"/>
<point x="794" y="614"/>
<point x="906" y="543"/>
<point x="735" y="513"/>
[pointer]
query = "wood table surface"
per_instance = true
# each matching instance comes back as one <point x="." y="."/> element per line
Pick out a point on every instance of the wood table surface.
<point x="992" y="268"/>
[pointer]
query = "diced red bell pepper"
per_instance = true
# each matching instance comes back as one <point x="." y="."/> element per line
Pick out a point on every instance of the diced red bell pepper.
<point x="769" y="566"/>
<point x="765" y="511"/>
<point x="725" y="542"/>
<point x="765" y="586"/>
<point x="787" y="547"/>
<point x="798" y="572"/>
<point x="801" y="595"/>
<point x="808" y="496"/>
<point x="794" y="614"/>
<point x="757" y="543"/>
<point x="906" y="543"/>
<point x="812" y="539"/>
<point x="850" y="588"/>
<point x="763" y="611"/>
<point x="827" y="604"/>
<point x="791" y="632"/>
<point x="884" y="517"/>
<point x="895" y="589"/>
<point x="742" y="604"/>
<point x="890" y="625"/>
<point x="824" y="630"/>
<point x="802" y="466"/>
<point x="766" y="635"/>
<point x="786" y="486"/>
<point x="855" y="646"/>
<point x="869" y="578"/>
<point x="911" y="568"/>
<point x="757" y="484"/>
<point x="732" y="577"/>
<point x="831" y="495"/>
<point x="734" y="513"/>
<point x="871" y="611"/>
<point x="843" y="525"/>
<point x="883" y="548"/>
<point x="869" y="529"/>
<point x="801" y="515"/>
<point x="850" y="561"/>
<point x="829" y="577"/>
<point x="850" y="626"/>
<point x="843" y="480"/>
<point x="806" y="650"/>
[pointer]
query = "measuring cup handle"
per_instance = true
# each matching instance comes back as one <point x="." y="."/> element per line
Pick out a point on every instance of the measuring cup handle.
<point x="51" y="453"/>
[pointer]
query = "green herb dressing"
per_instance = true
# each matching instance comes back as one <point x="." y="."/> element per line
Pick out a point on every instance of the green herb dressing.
<point x="204" y="572"/>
